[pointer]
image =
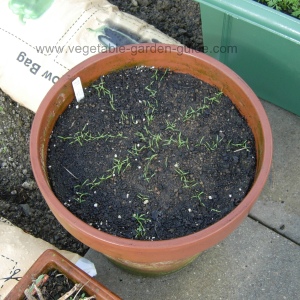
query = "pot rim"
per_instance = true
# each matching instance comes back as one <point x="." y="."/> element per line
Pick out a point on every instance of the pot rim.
<point x="146" y="246"/>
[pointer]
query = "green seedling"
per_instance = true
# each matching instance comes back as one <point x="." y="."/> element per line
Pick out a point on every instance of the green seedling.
<point x="150" y="144"/>
<point x="171" y="126"/>
<point x="149" y="116"/>
<point x="141" y="220"/>
<point x="192" y="113"/>
<point x="144" y="198"/>
<point x="111" y="102"/>
<point x="292" y="6"/>
<point x="133" y="120"/>
<point x="166" y="162"/>
<point x="120" y="165"/>
<point x="181" y="142"/>
<point x="181" y="173"/>
<point x="3" y="148"/>
<point x="141" y="136"/>
<point x="187" y="184"/>
<point x="136" y="150"/>
<point x="79" y="136"/>
<point x="80" y="186"/>
<point x="100" y="88"/>
<point x="156" y="138"/>
<point x="146" y="174"/>
<point x="149" y="160"/>
<point x="147" y="130"/>
<point x="162" y="77"/>
<point x="189" y="114"/>
<point x="151" y="141"/>
<point x="124" y="118"/>
<point x="200" y="142"/>
<point x="214" y="144"/>
<point x="155" y="75"/>
<point x="169" y="141"/>
<point x="81" y="197"/>
<point x="200" y="109"/>
<point x="199" y="197"/>
<point x="108" y="136"/>
<point x="149" y="104"/>
<point x="97" y="181"/>
<point x="215" y="98"/>
<point x="150" y="90"/>
<point x="215" y="210"/>
<point x="184" y="178"/>
<point x="241" y="146"/>
<point x="86" y="136"/>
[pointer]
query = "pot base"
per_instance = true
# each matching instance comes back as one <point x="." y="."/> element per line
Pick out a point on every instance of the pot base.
<point x="153" y="269"/>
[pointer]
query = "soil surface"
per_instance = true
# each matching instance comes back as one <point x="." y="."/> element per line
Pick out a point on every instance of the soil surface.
<point x="164" y="157"/>
<point x="55" y="285"/>
<point x="20" y="200"/>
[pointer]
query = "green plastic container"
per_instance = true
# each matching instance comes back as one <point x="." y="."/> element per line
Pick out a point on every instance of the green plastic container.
<point x="259" y="43"/>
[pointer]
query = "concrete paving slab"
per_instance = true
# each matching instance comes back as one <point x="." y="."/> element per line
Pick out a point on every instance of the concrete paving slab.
<point x="279" y="204"/>
<point x="278" y="217"/>
<point x="252" y="263"/>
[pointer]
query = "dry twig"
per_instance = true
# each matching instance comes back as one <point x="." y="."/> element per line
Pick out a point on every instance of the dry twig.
<point x="28" y="295"/>
<point x="38" y="291"/>
<point x="75" y="288"/>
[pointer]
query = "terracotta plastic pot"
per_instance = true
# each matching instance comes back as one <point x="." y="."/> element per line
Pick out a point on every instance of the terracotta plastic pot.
<point x="151" y="257"/>
<point x="50" y="260"/>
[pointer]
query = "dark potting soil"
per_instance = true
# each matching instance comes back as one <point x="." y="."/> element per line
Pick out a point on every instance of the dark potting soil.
<point x="151" y="154"/>
<point x="180" y="19"/>
<point x="55" y="285"/>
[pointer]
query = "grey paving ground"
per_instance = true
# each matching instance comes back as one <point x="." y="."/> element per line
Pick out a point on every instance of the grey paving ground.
<point x="279" y="204"/>
<point x="253" y="263"/>
<point x="260" y="260"/>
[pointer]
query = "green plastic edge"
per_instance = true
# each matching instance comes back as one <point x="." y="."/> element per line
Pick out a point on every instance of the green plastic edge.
<point x="260" y="15"/>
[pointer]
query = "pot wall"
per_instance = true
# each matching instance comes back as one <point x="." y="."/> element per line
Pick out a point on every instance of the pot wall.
<point x="146" y="256"/>
<point x="258" y="43"/>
